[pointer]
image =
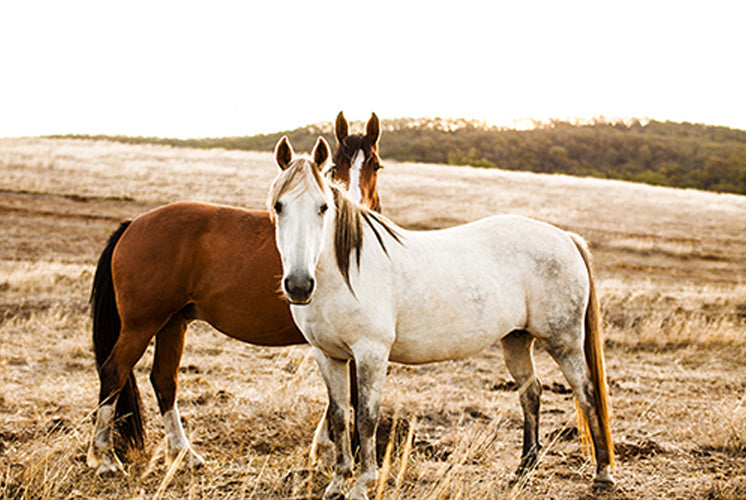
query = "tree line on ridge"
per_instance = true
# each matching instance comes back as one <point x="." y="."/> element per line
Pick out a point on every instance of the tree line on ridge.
<point x="663" y="153"/>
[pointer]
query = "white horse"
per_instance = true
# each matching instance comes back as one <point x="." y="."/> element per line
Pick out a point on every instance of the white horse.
<point x="362" y="288"/>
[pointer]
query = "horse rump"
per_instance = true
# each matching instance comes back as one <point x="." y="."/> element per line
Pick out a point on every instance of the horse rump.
<point x="106" y="327"/>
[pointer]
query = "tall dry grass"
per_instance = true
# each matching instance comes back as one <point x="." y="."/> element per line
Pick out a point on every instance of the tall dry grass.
<point x="645" y="315"/>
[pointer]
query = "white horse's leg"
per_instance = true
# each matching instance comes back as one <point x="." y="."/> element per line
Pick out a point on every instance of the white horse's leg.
<point x="101" y="454"/>
<point x="571" y="359"/>
<point x="322" y="448"/>
<point x="177" y="440"/>
<point x="335" y="376"/>
<point x="371" y="362"/>
<point x="518" y="354"/>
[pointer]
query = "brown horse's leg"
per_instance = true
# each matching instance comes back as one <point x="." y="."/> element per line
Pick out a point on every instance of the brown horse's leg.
<point x="128" y="349"/>
<point x="113" y="374"/>
<point x="355" y="436"/>
<point x="518" y="354"/>
<point x="169" y="346"/>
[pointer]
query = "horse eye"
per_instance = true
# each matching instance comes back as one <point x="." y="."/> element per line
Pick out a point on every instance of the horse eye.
<point x="278" y="207"/>
<point x="323" y="208"/>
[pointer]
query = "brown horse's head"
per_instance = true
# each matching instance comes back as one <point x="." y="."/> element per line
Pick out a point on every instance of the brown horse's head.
<point x="356" y="161"/>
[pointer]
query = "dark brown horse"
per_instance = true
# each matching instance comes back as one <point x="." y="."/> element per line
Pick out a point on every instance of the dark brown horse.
<point x="187" y="261"/>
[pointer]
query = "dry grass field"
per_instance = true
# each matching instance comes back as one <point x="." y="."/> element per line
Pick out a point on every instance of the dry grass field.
<point x="672" y="271"/>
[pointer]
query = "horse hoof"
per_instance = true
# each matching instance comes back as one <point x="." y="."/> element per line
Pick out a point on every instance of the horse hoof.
<point x="322" y="456"/>
<point x="334" y="490"/>
<point x="193" y="460"/>
<point x="110" y="468"/>
<point x="106" y="464"/>
<point x="518" y="479"/>
<point x="520" y="476"/>
<point x="603" y="481"/>
<point x="322" y="452"/>
<point x="356" y="495"/>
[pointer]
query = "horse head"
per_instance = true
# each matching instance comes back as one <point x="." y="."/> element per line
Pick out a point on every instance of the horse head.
<point x="356" y="162"/>
<point x="299" y="202"/>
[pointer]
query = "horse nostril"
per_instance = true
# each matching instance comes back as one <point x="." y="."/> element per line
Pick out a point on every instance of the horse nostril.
<point x="298" y="288"/>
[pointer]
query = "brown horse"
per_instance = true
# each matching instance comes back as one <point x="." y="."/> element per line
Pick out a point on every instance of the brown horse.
<point x="356" y="163"/>
<point x="187" y="261"/>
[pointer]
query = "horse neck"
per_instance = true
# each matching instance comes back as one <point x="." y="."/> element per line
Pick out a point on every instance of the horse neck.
<point x="327" y="269"/>
<point x="358" y="231"/>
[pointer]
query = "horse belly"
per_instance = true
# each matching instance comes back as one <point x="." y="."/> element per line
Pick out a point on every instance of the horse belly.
<point x="261" y="319"/>
<point x="240" y="299"/>
<point x="455" y="328"/>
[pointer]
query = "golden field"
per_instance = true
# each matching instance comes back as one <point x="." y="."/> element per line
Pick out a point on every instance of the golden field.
<point x="671" y="266"/>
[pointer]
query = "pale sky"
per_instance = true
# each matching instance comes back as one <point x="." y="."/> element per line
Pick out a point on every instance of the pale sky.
<point x="220" y="68"/>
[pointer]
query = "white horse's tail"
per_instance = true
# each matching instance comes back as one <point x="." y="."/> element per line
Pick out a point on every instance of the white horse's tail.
<point x="594" y="357"/>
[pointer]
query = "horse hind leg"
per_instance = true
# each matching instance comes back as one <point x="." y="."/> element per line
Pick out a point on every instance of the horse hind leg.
<point x="571" y="359"/>
<point x="518" y="354"/>
<point x="169" y="347"/>
<point x="101" y="455"/>
<point x="113" y="375"/>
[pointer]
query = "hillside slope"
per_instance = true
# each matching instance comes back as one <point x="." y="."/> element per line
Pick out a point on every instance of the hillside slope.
<point x="653" y="231"/>
<point x="670" y="154"/>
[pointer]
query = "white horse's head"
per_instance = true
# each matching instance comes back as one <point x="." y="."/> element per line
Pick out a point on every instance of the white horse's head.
<point x="301" y="204"/>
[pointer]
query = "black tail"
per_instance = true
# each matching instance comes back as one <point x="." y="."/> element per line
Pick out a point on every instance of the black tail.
<point x="106" y="327"/>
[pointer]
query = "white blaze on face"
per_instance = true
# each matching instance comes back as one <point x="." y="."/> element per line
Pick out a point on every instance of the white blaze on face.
<point x="300" y="228"/>
<point x="356" y="167"/>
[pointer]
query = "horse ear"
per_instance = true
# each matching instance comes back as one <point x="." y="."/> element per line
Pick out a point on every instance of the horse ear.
<point x="321" y="152"/>
<point x="283" y="153"/>
<point x="341" y="128"/>
<point x="373" y="130"/>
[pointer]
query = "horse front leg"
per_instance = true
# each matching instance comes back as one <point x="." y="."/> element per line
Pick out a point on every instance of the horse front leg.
<point x="322" y="448"/>
<point x="335" y="376"/>
<point x="169" y="347"/>
<point x="371" y="362"/>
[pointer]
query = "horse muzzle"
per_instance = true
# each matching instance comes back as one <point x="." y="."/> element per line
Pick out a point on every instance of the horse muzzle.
<point x="298" y="288"/>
